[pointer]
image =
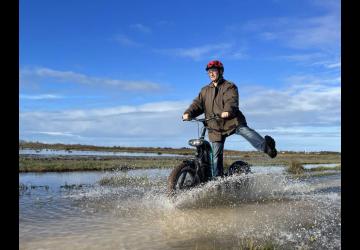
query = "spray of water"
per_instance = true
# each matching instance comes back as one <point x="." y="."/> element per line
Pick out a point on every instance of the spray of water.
<point x="261" y="207"/>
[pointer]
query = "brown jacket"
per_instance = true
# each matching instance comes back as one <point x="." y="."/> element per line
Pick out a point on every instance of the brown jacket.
<point x="215" y="100"/>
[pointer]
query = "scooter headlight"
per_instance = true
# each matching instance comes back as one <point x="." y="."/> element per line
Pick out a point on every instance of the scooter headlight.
<point x="196" y="142"/>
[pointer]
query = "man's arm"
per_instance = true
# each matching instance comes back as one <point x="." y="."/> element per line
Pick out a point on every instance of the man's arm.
<point x="231" y="101"/>
<point x="196" y="108"/>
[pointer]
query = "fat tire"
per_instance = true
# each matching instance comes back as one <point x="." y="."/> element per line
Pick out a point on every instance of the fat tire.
<point x="175" y="174"/>
<point x="239" y="167"/>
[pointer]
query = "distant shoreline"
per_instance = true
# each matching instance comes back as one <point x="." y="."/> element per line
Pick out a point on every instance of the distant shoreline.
<point x="31" y="163"/>
<point x="159" y="150"/>
<point x="65" y="163"/>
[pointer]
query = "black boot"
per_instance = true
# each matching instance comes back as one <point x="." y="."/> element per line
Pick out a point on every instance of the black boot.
<point x="270" y="146"/>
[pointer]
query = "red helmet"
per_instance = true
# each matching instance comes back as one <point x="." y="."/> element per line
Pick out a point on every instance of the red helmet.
<point x="215" y="64"/>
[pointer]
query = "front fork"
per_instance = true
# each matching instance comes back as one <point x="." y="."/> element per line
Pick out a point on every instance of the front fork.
<point x="200" y="161"/>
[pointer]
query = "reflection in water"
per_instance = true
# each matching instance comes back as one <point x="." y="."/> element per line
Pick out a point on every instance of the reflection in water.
<point x="271" y="207"/>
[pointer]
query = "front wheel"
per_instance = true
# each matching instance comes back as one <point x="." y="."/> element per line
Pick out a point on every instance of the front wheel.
<point x="183" y="177"/>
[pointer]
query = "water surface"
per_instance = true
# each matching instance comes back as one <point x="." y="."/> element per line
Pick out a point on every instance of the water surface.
<point x="48" y="152"/>
<point x="73" y="211"/>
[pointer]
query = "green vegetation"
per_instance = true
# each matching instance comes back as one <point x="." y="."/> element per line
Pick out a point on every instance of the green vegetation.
<point x="323" y="168"/>
<point x="318" y="174"/>
<point x="295" y="167"/>
<point x="167" y="150"/>
<point x="63" y="164"/>
<point x="69" y="147"/>
<point x="74" y="186"/>
<point x="33" y="163"/>
<point x="124" y="180"/>
<point x="23" y="187"/>
<point x="250" y="244"/>
<point x="297" y="170"/>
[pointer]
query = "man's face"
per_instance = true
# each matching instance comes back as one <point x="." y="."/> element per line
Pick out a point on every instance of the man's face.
<point x="213" y="74"/>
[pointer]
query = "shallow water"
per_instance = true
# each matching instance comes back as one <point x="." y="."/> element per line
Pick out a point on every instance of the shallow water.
<point x="52" y="152"/>
<point x="137" y="214"/>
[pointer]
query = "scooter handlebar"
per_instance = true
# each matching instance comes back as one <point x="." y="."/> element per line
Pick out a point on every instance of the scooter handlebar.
<point x="216" y="117"/>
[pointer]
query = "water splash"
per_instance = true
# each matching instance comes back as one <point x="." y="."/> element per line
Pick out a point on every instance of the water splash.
<point x="240" y="189"/>
<point x="273" y="207"/>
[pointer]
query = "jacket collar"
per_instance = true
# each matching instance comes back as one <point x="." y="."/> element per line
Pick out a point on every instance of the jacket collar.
<point x="219" y="83"/>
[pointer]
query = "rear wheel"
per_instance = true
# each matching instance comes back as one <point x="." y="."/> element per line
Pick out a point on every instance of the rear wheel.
<point x="239" y="167"/>
<point x="183" y="177"/>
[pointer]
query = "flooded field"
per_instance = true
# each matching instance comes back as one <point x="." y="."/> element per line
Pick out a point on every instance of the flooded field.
<point x="52" y="152"/>
<point x="130" y="210"/>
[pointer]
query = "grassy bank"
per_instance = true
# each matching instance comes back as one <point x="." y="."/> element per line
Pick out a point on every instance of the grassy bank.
<point x="297" y="170"/>
<point x="63" y="164"/>
<point x="34" y="163"/>
<point x="167" y="150"/>
<point x="60" y="146"/>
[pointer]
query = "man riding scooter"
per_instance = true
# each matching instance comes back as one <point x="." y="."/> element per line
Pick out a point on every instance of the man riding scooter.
<point x="220" y="97"/>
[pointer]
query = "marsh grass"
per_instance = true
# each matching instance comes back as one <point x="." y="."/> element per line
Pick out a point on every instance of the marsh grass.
<point x="295" y="167"/>
<point x="23" y="188"/>
<point x="297" y="171"/>
<point x="69" y="147"/>
<point x="124" y="180"/>
<point x="182" y="151"/>
<point x="312" y="174"/>
<point x="74" y="186"/>
<point x="34" y="163"/>
<point x="64" y="164"/>
<point x="258" y="158"/>
<point x="323" y="168"/>
<point x="250" y="244"/>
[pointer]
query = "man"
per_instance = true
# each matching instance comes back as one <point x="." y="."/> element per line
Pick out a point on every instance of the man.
<point x="221" y="98"/>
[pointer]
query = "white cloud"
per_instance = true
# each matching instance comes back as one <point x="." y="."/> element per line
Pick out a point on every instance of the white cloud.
<point x="70" y="76"/>
<point x="316" y="38"/>
<point x="156" y="122"/>
<point x="55" y="133"/>
<point x="303" y="110"/>
<point x="324" y="60"/>
<point x="200" y="52"/>
<point x="223" y="50"/>
<point x="333" y="65"/>
<point x="303" y="57"/>
<point x="40" y="97"/>
<point x="127" y="41"/>
<point x="307" y="81"/>
<point x="321" y="32"/>
<point x="164" y="23"/>
<point x="300" y="32"/>
<point x="332" y="131"/>
<point x="315" y="32"/>
<point x="236" y="54"/>
<point x="140" y="27"/>
<point x="306" y="101"/>
<point x="330" y="5"/>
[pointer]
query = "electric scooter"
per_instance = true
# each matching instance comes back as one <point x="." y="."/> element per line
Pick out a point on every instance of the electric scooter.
<point x="193" y="172"/>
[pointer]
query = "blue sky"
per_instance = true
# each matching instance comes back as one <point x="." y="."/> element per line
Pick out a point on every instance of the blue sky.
<point x="123" y="72"/>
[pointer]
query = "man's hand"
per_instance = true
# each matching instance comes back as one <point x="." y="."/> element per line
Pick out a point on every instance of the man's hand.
<point x="186" y="117"/>
<point x="225" y="114"/>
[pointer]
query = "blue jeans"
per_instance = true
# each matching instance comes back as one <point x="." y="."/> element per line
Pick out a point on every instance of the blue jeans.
<point x="217" y="167"/>
<point x="256" y="140"/>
